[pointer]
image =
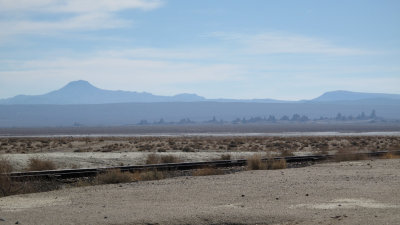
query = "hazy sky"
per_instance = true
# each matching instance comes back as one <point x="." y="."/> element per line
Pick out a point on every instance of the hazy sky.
<point x="215" y="48"/>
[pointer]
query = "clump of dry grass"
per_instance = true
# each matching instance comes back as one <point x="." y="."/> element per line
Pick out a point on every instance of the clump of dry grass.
<point x="152" y="159"/>
<point x="390" y="155"/>
<point x="169" y="159"/>
<point x="114" y="176"/>
<point x="6" y="184"/>
<point x="5" y="166"/>
<point x="343" y="155"/>
<point x="157" y="159"/>
<point x="9" y="186"/>
<point x="276" y="164"/>
<point x="36" y="164"/>
<point x="208" y="171"/>
<point x="285" y="153"/>
<point x="255" y="162"/>
<point x="225" y="157"/>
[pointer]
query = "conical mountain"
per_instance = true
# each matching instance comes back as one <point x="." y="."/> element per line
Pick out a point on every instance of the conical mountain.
<point x="82" y="92"/>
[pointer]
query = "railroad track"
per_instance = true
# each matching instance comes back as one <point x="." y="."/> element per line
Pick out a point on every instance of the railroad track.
<point x="77" y="173"/>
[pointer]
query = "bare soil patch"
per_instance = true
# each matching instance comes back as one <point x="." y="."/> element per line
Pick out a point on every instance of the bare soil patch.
<point x="361" y="192"/>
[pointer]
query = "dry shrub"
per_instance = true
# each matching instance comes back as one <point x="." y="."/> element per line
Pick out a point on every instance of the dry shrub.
<point x="36" y="164"/>
<point x="12" y="187"/>
<point x="5" y="166"/>
<point x="6" y="184"/>
<point x="152" y="159"/>
<point x="342" y="155"/>
<point x="225" y="157"/>
<point x="148" y="175"/>
<point x="276" y="164"/>
<point x="390" y="155"/>
<point x="255" y="162"/>
<point x="207" y="172"/>
<point x="114" y="176"/>
<point x="187" y="149"/>
<point x="157" y="159"/>
<point x="82" y="183"/>
<point x="169" y="159"/>
<point x="285" y="153"/>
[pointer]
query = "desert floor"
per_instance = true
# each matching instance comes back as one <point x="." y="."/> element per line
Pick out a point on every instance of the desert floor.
<point x="88" y="152"/>
<point x="355" y="192"/>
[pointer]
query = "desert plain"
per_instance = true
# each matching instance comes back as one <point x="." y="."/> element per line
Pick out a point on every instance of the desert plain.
<point x="349" y="192"/>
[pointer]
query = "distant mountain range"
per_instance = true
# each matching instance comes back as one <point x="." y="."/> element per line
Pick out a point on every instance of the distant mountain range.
<point x="80" y="103"/>
<point x="82" y="92"/>
<point x="354" y="96"/>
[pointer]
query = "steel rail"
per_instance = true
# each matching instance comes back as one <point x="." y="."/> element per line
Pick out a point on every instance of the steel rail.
<point x="77" y="173"/>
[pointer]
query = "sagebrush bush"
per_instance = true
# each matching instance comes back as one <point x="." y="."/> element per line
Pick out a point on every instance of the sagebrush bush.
<point x="5" y="166"/>
<point x="9" y="186"/>
<point x="276" y="164"/>
<point x="152" y="159"/>
<point x="390" y="155"/>
<point x="255" y="162"/>
<point x="225" y="157"/>
<point x="157" y="159"/>
<point x="36" y="164"/>
<point x="114" y="176"/>
<point x="285" y="153"/>
<point x="169" y="159"/>
<point x="343" y="155"/>
<point x="6" y="184"/>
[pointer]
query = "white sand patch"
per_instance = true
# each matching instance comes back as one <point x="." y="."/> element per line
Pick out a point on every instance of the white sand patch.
<point x="348" y="203"/>
<point x="19" y="203"/>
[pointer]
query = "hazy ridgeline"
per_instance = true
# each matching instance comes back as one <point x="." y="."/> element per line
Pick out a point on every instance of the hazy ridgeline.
<point x="81" y="104"/>
<point x="132" y="113"/>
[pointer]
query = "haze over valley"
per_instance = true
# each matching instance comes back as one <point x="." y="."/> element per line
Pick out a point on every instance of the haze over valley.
<point x="81" y="104"/>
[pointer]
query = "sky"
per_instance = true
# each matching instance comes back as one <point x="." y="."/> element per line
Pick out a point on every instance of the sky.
<point x="240" y="49"/>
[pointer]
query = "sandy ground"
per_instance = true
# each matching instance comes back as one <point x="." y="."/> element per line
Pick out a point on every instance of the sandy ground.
<point x="26" y="145"/>
<point x="89" y="152"/>
<point x="65" y="160"/>
<point x="362" y="192"/>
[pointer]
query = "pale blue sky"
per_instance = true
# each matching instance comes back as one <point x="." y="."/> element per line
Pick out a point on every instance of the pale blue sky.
<point x="226" y="48"/>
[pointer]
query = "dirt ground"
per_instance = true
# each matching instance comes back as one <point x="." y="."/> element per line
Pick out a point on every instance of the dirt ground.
<point x="65" y="160"/>
<point x="196" y="143"/>
<point x="355" y="192"/>
<point x="89" y="152"/>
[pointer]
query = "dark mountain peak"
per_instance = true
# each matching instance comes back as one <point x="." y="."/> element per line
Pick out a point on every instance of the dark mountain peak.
<point x="341" y="95"/>
<point x="79" y="84"/>
<point x="188" y="97"/>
